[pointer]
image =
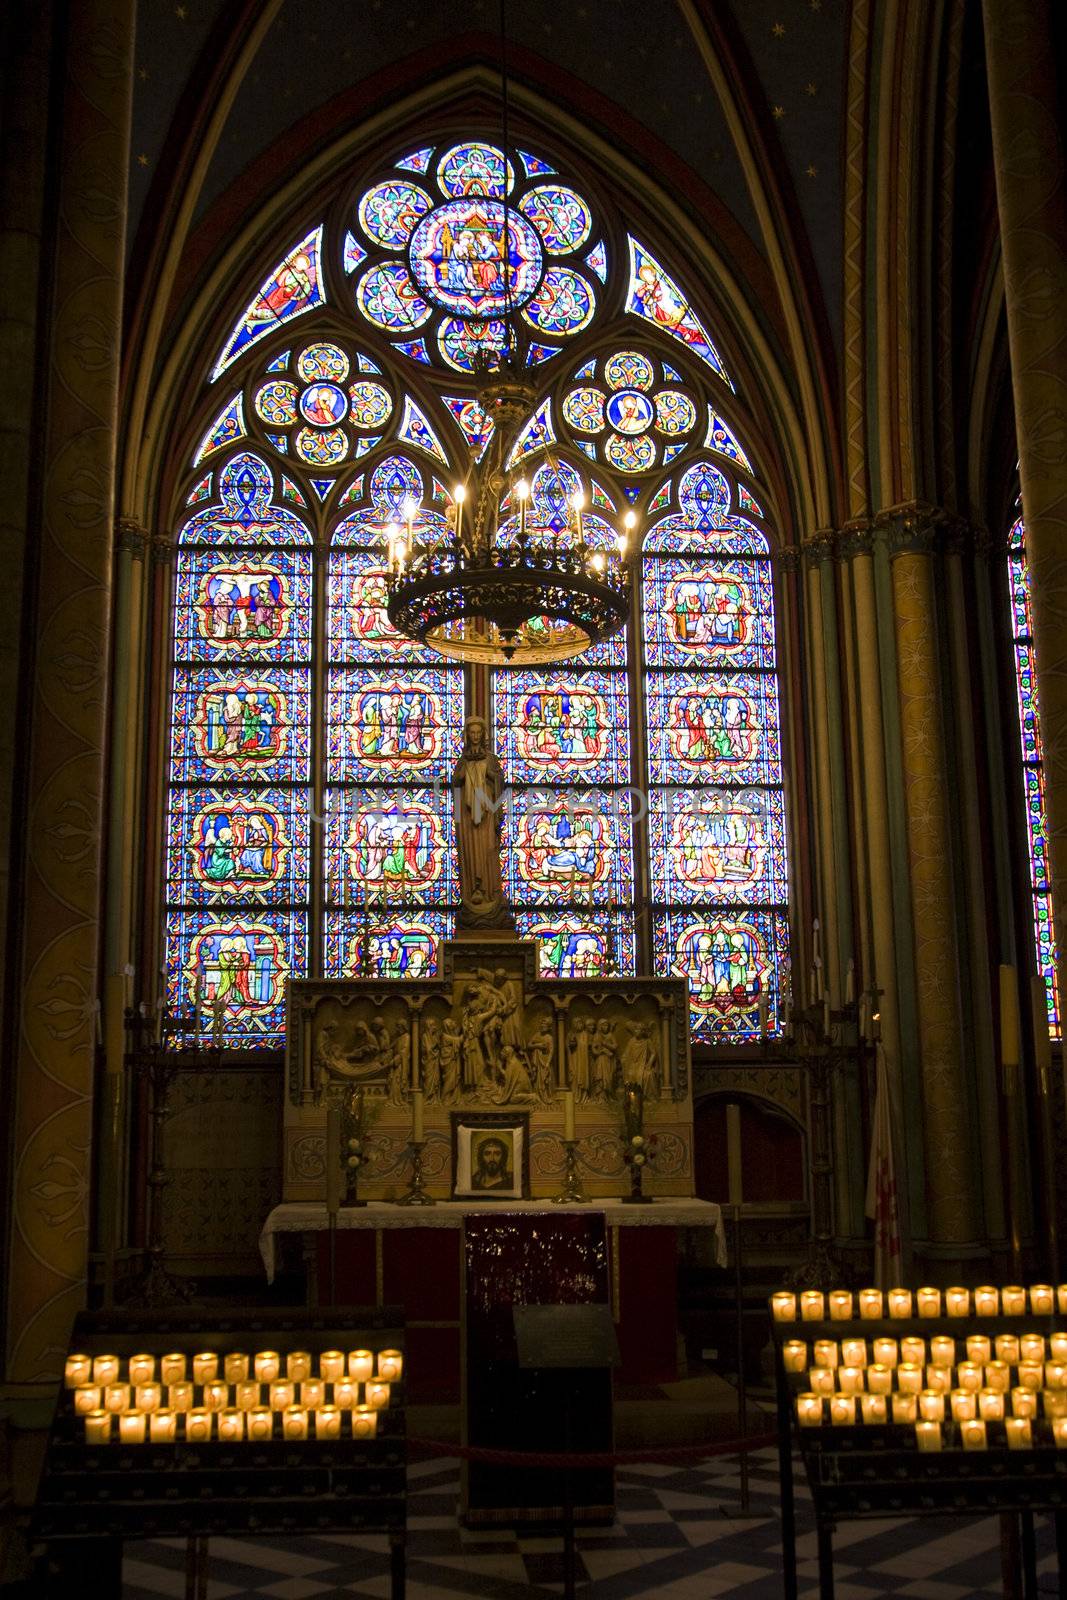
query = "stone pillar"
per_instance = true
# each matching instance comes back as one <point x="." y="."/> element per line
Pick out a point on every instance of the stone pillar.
<point x="951" y="1192"/>
<point x="1028" y="159"/>
<point x="62" y="776"/>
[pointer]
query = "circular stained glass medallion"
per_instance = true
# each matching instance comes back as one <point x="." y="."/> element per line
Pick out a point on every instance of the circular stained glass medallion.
<point x="458" y="251"/>
<point x="626" y="369"/>
<point x="630" y="455"/>
<point x="322" y="361"/>
<point x="675" y="412"/>
<point x="629" y="411"/>
<point x="563" y="304"/>
<point x="371" y="404"/>
<point x="388" y="298"/>
<point x="322" y="449"/>
<point x="276" y="403"/>
<point x="474" y="169"/>
<point x="560" y="216"/>
<point x="323" y="404"/>
<point x="388" y="213"/>
<point x="461" y="341"/>
<point x="584" y="410"/>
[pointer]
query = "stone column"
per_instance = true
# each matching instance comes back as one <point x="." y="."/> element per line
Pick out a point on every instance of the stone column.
<point x="1028" y="160"/>
<point x="62" y="776"/>
<point x="951" y="1193"/>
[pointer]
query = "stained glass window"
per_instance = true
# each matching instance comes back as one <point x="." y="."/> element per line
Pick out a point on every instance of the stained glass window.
<point x="1033" y="773"/>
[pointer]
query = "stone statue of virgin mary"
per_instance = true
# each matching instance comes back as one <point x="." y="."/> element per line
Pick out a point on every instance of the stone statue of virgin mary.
<point x="478" y="790"/>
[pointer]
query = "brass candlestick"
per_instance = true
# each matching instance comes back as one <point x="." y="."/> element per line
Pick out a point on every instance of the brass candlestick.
<point x="572" y="1192"/>
<point x="416" y="1195"/>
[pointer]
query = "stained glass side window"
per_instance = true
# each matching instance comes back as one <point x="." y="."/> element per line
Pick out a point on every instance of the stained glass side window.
<point x="563" y="735"/>
<point x="716" y="817"/>
<point x="1033" y="773"/>
<point x="239" y="760"/>
<point x="394" y="726"/>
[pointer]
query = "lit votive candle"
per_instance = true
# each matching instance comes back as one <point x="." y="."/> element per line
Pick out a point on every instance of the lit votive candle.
<point x="148" y="1397"/>
<point x="1057" y="1344"/>
<point x="1023" y="1403"/>
<point x="928" y="1435"/>
<point x="870" y="1303"/>
<point x="332" y="1365"/>
<point x="247" y="1395"/>
<point x="899" y="1301"/>
<point x="843" y="1410"/>
<point x="216" y="1396"/>
<point x="840" y="1305"/>
<point x="824" y="1352"/>
<point x="986" y="1301"/>
<point x="990" y="1405"/>
<point x="1054" y="1402"/>
<point x="142" y="1369"/>
<point x="1013" y="1300"/>
<point x="312" y="1393"/>
<point x="957" y="1302"/>
<point x="998" y="1376"/>
<point x="939" y="1379"/>
<point x="231" y="1425"/>
<point x="979" y="1348"/>
<point x="345" y="1394"/>
<point x="117" y="1397"/>
<point x="172" y="1367"/>
<point x="1061" y="1299"/>
<point x="854" y="1352"/>
<point x="812" y="1306"/>
<point x="295" y="1422"/>
<point x="198" y="1425"/>
<point x="784" y="1306"/>
<point x="1055" y="1375"/>
<point x="105" y="1369"/>
<point x="97" y="1427"/>
<point x="1059" y="1432"/>
<point x="267" y="1365"/>
<point x="964" y="1403"/>
<point x="86" y="1399"/>
<point x="879" y="1378"/>
<point x="905" y="1408"/>
<point x="973" y="1435"/>
<point x="1031" y="1374"/>
<point x="822" y="1380"/>
<point x="931" y="1405"/>
<point x="1007" y="1347"/>
<point x="327" y="1423"/>
<point x="942" y="1350"/>
<point x="969" y="1376"/>
<point x="909" y="1377"/>
<point x="282" y="1394"/>
<point x="929" y="1302"/>
<point x="794" y="1355"/>
<point x="1042" y="1299"/>
<point x="132" y="1427"/>
<point x="180" y="1397"/>
<point x="873" y="1409"/>
<point x="163" y="1427"/>
<point x="390" y="1365"/>
<point x="361" y="1365"/>
<point x="298" y="1365"/>
<point x="1018" y="1432"/>
<point x="77" y="1371"/>
<point x="1031" y="1347"/>
<point x="205" y="1367"/>
<point x="235" y="1367"/>
<point x="886" y="1352"/>
<point x="850" y="1379"/>
<point x="365" y="1422"/>
<point x="377" y="1396"/>
<point x="260" y="1423"/>
<point x="913" y="1349"/>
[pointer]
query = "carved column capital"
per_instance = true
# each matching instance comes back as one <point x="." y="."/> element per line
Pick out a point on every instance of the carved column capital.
<point x="912" y="529"/>
<point x="819" y="546"/>
<point x="164" y="550"/>
<point x="787" y="560"/>
<point x="131" y="537"/>
<point x="856" y="538"/>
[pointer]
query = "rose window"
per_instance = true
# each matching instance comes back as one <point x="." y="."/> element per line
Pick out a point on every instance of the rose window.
<point x="636" y="423"/>
<point x="329" y="411"/>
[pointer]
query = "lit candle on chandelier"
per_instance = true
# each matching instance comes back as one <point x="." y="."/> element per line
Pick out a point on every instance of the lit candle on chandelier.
<point x="459" y="495"/>
<point x="522" y="495"/>
<point x="578" y="504"/>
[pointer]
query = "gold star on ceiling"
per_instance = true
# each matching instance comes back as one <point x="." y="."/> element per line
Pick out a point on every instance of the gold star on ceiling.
<point x="142" y="161"/>
<point x="811" y="89"/>
<point x="142" y="73"/>
<point x="181" y="13"/>
<point x="779" y="113"/>
<point x="779" y="30"/>
<point x="816" y="5"/>
<point x="813" y="172"/>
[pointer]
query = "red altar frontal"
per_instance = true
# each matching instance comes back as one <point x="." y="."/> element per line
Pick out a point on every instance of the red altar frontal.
<point x="383" y="1254"/>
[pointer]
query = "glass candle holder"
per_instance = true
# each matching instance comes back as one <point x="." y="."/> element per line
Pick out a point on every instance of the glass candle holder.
<point x="1031" y="1347"/>
<point x="105" y="1369"/>
<point x="87" y="1398"/>
<point x="198" y="1425"/>
<point x="377" y="1395"/>
<point x="1023" y="1403"/>
<point x="1059" y="1432"/>
<point x="964" y="1405"/>
<point x="784" y="1306"/>
<point x="298" y="1365"/>
<point x="327" y="1422"/>
<point x="979" y="1348"/>
<point x="1054" y="1402"/>
<point x="850" y="1379"/>
<point x="854" y="1352"/>
<point x="148" y="1397"/>
<point x="958" y="1302"/>
<point x="1057" y="1346"/>
<point x="364" y="1423"/>
<point x="267" y="1366"/>
<point x="931" y="1406"/>
<point x="939" y="1379"/>
<point x="332" y="1365"/>
<point x="928" y="1436"/>
<point x="1042" y="1299"/>
<point x="998" y="1376"/>
<point x="172" y="1367"/>
<point x="163" y="1427"/>
<point x="180" y="1397"/>
<point x="132" y="1427"/>
<point x="1061" y="1299"/>
<point x="345" y="1394"/>
<point x="295" y="1422"/>
<point x="1006" y="1346"/>
<point x="986" y="1301"/>
<point x="942" y="1350"/>
<point x="231" y="1425"/>
<point x="312" y="1393"/>
<point x="117" y="1397"/>
<point x="1031" y="1374"/>
<point x="899" y="1301"/>
<point x="216" y="1395"/>
<point x="973" y="1434"/>
<point x="260" y="1423"/>
<point x="880" y="1378"/>
<point x="205" y="1367"/>
<point x="928" y="1301"/>
<point x="236" y="1366"/>
<point x="840" y="1305"/>
<point x="969" y="1376"/>
<point x="361" y="1365"/>
<point x="822" y="1380"/>
<point x="1018" y="1433"/>
<point x="391" y="1365"/>
<point x="248" y="1394"/>
<point x="282" y="1394"/>
<point x="1013" y="1300"/>
<point x="990" y="1405"/>
<point x="1055" y="1375"/>
<point x="825" y="1353"/>
<point x="77" y="1371"/>
<point x="913" y="1349"/>
<point x="909" y="1377"/>
<point x="871" y="1301"/>
<point x="142" y="1369"/>
<point x="874" y="1409"/>
<point x="886" y="1352"/>
<point x="905" y="1408"/>
<point x="97" y="1427"/>
<point x="843" y="1410"/>
<point x="794" y="1355"/>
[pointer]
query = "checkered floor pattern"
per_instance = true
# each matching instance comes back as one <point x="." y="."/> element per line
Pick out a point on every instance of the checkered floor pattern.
<point x="679" y="1535"/>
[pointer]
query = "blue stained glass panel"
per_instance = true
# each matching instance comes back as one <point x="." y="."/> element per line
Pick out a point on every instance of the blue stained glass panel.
<point x="718" y="612"/>
<point x="385" y="725"/>
<point x="390" y="845"/>
<point x="729" y="958"/>
<point x="569" y="848"/>
<point x="719" y="728"/>
<point x="1026" y="694"/>
<point x="243" y="723"/>
<point x="717" y="845"/>
<point x="1037" y="827"/>
<point x="580" y="944"/>
<point x="568" y="726"/>
<point x="359" y="629"/>
<point x="295" y="286"/>
<point x="248" y="605"/>
<point x="227" y="845"/>
<point x="245" y="514"/>
<point x="400" y="944"/>
<point x="237" y="961"/>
